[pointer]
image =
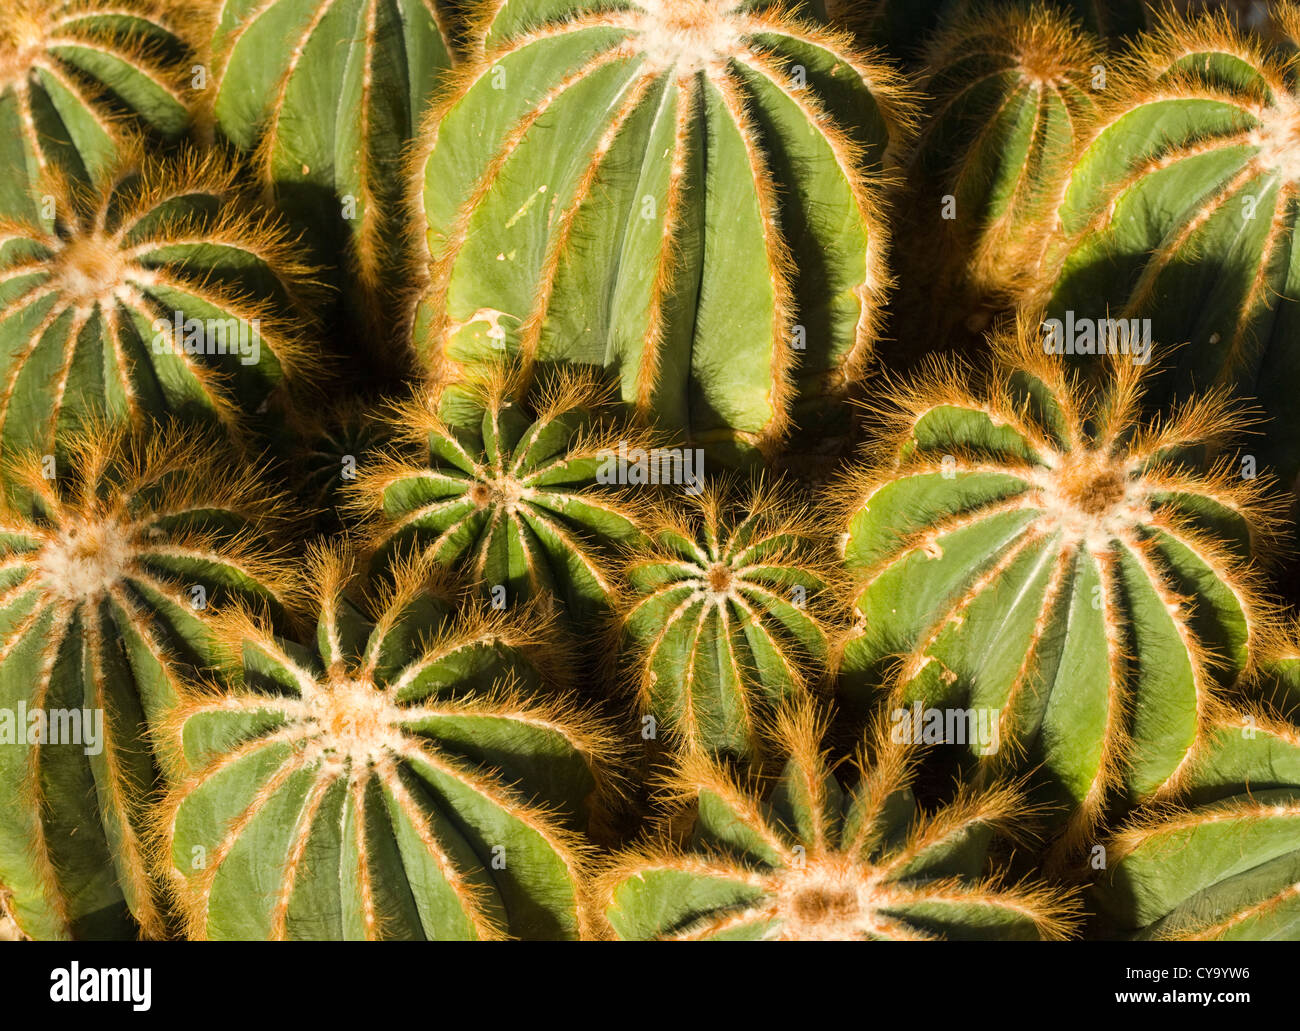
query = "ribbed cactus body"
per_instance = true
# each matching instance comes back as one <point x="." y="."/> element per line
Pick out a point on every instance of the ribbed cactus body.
<point x="396" y="779"/>
<point x="153" y="295"/>
<point x="338" y="445"/>
<point x="526" y="496"/>
<point x="1225" y="864"/>
<point x="75" y="77"/>
<point x="1014" y="93"/>
<point x="327" y="95"/>
<point x="1181" y="210"/>
<point x="807" y="858"/>
<point x="678" y="191"/>
<point x="903" y="26"/>
<point x="1037" y="555"/>
<point x="724" y="619"/>
<point x="106" y="576"/>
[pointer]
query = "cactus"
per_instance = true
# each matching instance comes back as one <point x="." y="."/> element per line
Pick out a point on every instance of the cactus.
<point x="809" y="859"/>
<point x="338" y="444"/>
<point x="725" y="617"/>
<point x="1276" y="674"/>
<point x="1225" y="864"/>
<point x="76" y="76"/>
<point x="1180" y="210"/>
<point x="522" y="495"/>
<point x="153" y="294"/>
<point x="1034" y="549"/>
<point x="1014" y="95"/>
<point x="286" y="73"/>
<point x="400" y="778"/>
<point x="106" y="573"/>
<point x="683" y="192"/>
<point x="905" y="26"/>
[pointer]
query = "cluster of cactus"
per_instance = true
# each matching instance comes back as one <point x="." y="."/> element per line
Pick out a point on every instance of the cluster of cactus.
<point x="655" y="470"/>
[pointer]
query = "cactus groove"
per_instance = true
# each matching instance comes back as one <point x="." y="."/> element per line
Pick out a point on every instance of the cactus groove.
<point x="77" y="79"/>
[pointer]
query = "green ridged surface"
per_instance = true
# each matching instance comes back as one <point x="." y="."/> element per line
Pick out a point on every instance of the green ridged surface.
<point x="418" y="807"/>
<point x="75" y="635"/>
<point x="672" y="224"/>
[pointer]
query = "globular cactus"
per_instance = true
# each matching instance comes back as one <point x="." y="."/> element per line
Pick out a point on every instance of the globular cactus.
<point x="337" y="445"/>
<point x="1015" y="91"/>
<point x="807" y="858"/>
<point x="107" y="575"/>
<point x="400" y="778"/>
<point x="1224" y="864"/>
<point x="326" y="95"/>
<point x="683" y="192"/>
<point x="1180" y="210"/>
<point x="1034" y="551"/>
<point x="726" y="615"/>
<point x="529" y="496"/>
<point x="154" y="294"/>
<point x="76" y="78"/>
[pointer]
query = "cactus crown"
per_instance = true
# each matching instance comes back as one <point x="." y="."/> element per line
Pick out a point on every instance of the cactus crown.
<point x="1013" y="101"/>
<point x="401" y="708"/>
<point x="806" y="860"/>
<point x="115" y="285"/>
<point x="726" y="615"/>
<point x="1044" y="481"/>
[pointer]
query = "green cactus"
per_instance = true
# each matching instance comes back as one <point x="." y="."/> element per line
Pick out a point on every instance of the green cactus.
<point x="106" y="574"/>
<point x="1276" y="676"/>
<point x="1014" y="93"/>
<point x="1180" y="210"/>
<point x="154" y="294"/>
<point x="683" y="192"/>
<point x="76" y="76"/>
<point x="726" y="615"/>
<point x="326" y="96"/>
<point x="337" y="445"/>
<point x="904" y="27"/>
<point x="523" y="495"/>
<point x="400" y="778"/>
<point x="1225" y="864"/>
<point x="807" y="859"/>
<point x="1034" y="550"/>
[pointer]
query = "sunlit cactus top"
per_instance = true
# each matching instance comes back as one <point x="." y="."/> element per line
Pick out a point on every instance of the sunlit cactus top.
<point x="1222" y="864"/>
<point x="1034" y="548"/>
<point x="153" y="293"/>
<point x="403" y="777"/>
<point x="326" y="96"/>
<point x="70" y="71"/>
<point x="1181" y="209"/>
<point x="521" y="489"/>
<point x="809" y="859"/>
<point x="107" y="573"/>
<point x="726" y="615"/>
<point x="564" y="189"/>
